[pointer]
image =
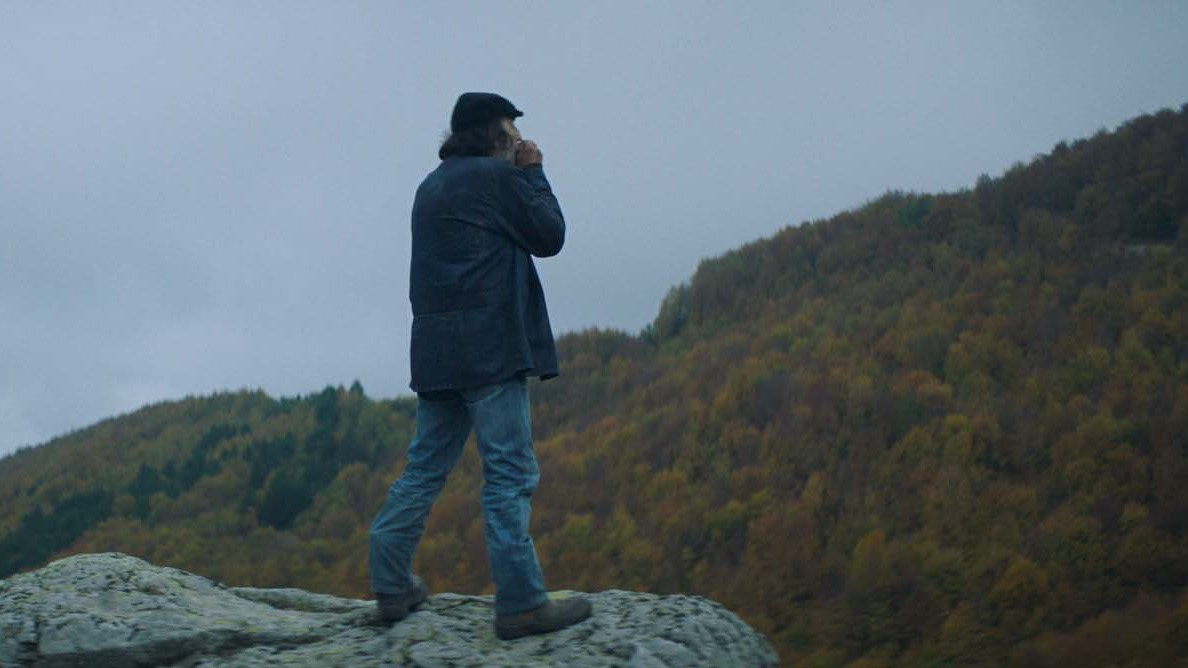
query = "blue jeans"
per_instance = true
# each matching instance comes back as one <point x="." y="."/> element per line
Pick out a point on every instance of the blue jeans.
<point x="499" y="416"/>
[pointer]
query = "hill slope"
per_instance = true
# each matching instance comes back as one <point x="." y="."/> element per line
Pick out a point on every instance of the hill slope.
<point x="935" y="429"/>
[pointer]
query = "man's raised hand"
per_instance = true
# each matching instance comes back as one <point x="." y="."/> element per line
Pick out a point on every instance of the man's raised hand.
<point x="528" y="154"/>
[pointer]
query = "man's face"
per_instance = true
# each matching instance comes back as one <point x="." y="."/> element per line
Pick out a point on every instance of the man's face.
<point x="509" y="152"/>
<point x="509" y="126"/>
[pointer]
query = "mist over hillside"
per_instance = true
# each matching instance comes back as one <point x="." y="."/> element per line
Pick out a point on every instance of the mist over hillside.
<point x="936" y="429"/>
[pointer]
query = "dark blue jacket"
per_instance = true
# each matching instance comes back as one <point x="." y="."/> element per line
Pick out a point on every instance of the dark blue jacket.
<point x="479" y="313"/>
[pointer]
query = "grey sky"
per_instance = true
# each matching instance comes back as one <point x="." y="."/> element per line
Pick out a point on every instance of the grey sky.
<point x="206" y="196"/>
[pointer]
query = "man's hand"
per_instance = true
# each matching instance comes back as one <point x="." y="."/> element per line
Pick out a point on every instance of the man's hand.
<point x="528" y="154"/>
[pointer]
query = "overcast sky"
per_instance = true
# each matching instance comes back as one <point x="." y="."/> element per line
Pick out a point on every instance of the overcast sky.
<point x="200" y="196"/>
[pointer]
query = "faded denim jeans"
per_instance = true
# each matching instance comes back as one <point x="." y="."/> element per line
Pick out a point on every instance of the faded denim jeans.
<point x="499" y="416"/>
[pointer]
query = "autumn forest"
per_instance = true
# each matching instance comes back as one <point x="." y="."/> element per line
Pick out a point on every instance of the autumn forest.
<point x="934" y="430"/>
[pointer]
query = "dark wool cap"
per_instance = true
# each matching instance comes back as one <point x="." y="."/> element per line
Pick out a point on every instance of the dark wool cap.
<point x="477" y="108"/>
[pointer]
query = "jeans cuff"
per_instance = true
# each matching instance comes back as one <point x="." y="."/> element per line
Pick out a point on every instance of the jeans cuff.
<point x="517" y="609"/>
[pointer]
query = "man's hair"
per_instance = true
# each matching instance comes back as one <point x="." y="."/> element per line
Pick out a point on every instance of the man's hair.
<point x="477" y="140"/>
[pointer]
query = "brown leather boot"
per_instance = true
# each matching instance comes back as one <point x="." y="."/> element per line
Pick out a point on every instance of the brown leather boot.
<point x="395" y="607"/>
<point x="552" y="616"/>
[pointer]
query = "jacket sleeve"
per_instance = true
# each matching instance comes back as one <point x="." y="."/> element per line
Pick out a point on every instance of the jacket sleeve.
<point x="531" y="215"/>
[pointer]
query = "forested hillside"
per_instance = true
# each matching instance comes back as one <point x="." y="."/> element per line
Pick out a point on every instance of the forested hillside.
<point x="934" y="430"/>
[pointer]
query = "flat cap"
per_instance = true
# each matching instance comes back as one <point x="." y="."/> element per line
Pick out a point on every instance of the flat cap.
<point x="477" y="108"/>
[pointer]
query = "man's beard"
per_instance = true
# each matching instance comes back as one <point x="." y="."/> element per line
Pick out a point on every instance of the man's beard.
<point x="508" y="154"/>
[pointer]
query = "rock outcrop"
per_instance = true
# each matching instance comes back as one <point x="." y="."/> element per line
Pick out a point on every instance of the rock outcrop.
<point x="115" y="610"/>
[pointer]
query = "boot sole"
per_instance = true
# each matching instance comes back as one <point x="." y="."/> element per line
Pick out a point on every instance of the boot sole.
<point x="513" y="631"/>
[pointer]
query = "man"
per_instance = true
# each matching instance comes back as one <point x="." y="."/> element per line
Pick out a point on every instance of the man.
<point x="480" y="328"/>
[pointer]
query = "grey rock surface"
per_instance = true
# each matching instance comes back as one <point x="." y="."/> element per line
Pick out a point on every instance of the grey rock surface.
<point x="116" y="610"/>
